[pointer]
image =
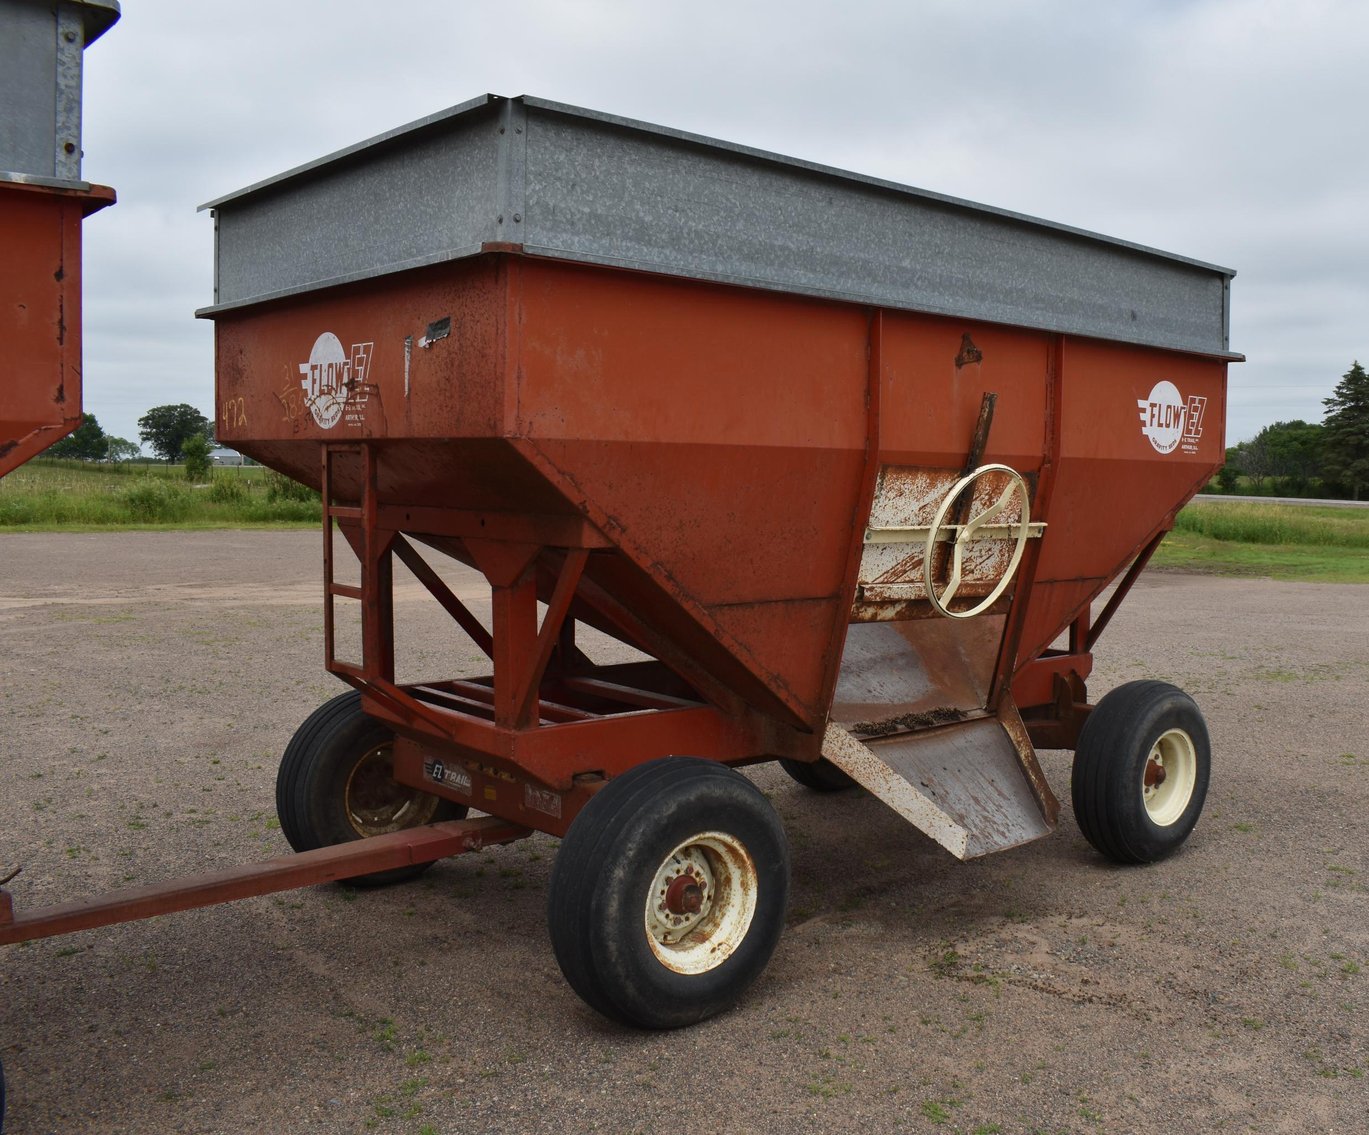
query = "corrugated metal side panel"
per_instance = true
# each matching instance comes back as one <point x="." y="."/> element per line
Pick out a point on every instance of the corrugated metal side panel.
<point x="581" y="186"/>
<point x="28" y="88"/>
<point x="42" y="46"/>
<point x="608" y="194"/>
<point x="400" y="206"/>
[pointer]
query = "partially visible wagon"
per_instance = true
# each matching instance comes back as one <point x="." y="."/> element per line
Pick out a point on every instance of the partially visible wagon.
<point x="43" y="201"/>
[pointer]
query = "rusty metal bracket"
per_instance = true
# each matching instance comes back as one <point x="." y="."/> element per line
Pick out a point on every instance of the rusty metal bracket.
<point x="979" y="441"/>
<point x="1058" y="725"/>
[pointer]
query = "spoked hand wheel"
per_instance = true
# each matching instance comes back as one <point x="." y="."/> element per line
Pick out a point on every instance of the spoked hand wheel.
<point x="968" y="532"/>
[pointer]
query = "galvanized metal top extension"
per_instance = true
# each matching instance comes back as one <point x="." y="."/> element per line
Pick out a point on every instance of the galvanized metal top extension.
<point x="41" y="49"/>
<point x="590" y="187"/>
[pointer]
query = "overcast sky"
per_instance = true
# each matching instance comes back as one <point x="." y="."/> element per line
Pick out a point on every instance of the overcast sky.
<point x="1230" y="131"/>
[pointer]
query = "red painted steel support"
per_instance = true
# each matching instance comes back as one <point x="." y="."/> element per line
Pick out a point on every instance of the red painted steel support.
<point x="460" y="613"/>
<point x="377" y="576"/>
<point x="1009" y="665"/>
<point x="331" y="588"/>
<point x="545" y="736"/>
<point x="326" y="865"/>
<point x="515" y="633"/>
<point x="525" y="693"/>
<point x="1138" y="565"/>
<point x="1079" y="631"/>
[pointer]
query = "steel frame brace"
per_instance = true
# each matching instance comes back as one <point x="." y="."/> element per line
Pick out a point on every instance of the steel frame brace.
<point x="546" y="713"/>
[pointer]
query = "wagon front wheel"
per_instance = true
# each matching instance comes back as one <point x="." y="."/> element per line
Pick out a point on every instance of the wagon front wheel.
<point x="336" y="784"/>
<point x="668" y="894"/>
<point x="1141" y="772"/>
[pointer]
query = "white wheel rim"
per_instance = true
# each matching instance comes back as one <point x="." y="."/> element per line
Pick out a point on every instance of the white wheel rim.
<point x="1169" y="776"/>
<point x="376" y="803"/>
<point x="701" y="903"/>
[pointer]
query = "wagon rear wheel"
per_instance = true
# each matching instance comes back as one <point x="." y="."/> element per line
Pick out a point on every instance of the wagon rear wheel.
<point x="1141" y="772"/>
<point x="336" y="784"/>
<point x="668" y="894"/>
<point x="820" y="776"/>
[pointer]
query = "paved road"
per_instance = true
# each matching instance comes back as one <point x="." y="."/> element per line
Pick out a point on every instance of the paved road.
<point x="1219" y="497"/>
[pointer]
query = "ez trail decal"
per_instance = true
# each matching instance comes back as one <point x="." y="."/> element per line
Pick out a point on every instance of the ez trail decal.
<point x="439" y="772"/>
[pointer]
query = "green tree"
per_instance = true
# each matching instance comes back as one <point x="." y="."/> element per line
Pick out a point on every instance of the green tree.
<point x="1252" y="458"/>
<point x="87" y="443"/>
<point x="1294" y="451"/>
<point x="196" y="454"/>
<point x="1346" y="432"/>
<point x="167" y="428"/>
<point x="120" y="449"/>
<point x="1227" y="475"/>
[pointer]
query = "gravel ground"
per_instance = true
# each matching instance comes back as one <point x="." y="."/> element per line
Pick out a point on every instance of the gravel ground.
<point x="151" y="680"/>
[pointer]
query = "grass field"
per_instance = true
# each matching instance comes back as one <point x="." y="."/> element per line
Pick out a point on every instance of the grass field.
<point x="45" y="495"/>
<point x="1291" y="542"/>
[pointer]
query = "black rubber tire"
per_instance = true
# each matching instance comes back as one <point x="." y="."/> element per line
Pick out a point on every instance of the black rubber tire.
<point x="820" y="776"/>
<point x="1110" y="767"/>
<point x="604" y="873"/>
<point x="313" y="780"/>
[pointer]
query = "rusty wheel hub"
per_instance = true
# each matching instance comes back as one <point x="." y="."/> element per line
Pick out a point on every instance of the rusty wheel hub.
<point x="684" y="895"/>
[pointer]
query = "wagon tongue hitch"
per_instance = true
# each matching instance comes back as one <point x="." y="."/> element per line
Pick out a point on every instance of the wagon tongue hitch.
<point x="346" y="860"/>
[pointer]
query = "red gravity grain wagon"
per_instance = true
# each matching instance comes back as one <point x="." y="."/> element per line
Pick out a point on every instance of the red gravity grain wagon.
<point x="848" y="465"/>
<point x="842" y="461"/>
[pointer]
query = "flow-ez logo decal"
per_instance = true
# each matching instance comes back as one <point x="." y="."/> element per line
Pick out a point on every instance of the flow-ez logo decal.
<point x="333" y="379"/>
<point x="1169" y="422"/>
